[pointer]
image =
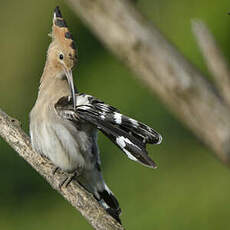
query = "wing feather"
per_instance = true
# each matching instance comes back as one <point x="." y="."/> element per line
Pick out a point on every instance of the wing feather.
<point x="128" y="134"/>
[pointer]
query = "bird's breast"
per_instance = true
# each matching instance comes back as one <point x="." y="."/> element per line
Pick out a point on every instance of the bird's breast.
<point x="59" y="140"/>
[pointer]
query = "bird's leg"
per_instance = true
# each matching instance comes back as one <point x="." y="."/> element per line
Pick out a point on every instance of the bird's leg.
<point x="68" y="179"/>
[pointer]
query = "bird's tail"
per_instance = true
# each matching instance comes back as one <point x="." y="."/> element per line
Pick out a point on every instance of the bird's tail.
<point x="93" y="182"/>
<point x="110" y="203"/>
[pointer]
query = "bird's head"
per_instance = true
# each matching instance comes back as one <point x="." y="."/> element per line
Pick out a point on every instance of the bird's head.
<point x="62" y="52"/>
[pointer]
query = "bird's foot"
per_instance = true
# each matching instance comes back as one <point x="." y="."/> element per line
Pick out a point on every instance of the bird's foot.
<point x="55" y="170"/>
<point x="68" y="179"/>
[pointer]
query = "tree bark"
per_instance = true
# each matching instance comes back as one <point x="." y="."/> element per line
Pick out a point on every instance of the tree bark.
<point x="83" y="201"/>
<point x="161" y="67"/>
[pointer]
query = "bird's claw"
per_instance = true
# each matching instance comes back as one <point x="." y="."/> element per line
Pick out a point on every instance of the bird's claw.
<point x="68" y="179"/>
<point x="55" y="170"/>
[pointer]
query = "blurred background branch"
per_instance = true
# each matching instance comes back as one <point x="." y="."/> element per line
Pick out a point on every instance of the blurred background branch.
<point x="161" y="67"/>
<point x="83" y="201"/>
<point x="214" y="58"/>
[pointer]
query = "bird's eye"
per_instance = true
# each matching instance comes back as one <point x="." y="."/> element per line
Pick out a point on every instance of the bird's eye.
<point x="61" y="56"/>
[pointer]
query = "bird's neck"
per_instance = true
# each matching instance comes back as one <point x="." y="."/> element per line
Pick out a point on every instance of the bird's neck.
<point x="53" y="84"/>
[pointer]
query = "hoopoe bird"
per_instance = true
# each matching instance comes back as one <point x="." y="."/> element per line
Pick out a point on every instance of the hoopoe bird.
<point x="64" y="123"/>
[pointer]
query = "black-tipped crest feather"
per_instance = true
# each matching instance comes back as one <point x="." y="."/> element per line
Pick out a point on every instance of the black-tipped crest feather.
<point x="58" y="12"/>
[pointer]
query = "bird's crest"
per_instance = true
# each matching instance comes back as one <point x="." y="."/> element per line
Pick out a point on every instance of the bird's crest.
<point x="61" y="34"/>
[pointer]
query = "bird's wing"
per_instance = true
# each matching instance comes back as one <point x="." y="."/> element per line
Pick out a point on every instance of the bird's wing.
<point x="128" y="134"/>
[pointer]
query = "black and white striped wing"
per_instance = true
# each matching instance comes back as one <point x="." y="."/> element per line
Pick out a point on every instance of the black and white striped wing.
<point x="128" y="134"/>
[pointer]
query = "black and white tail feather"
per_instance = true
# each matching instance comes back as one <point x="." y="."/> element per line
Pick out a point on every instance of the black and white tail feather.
<point x="128" y="134"/>
<point x="94" y="183"/>
<point x="110" y="203"/>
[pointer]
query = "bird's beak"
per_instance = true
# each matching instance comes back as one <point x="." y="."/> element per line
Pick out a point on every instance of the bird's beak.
<point x="69" y="76"/>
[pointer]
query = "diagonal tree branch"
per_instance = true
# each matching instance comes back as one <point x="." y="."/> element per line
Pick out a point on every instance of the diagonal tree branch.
<point x="161" y="68"/>
<point x="83" y="201"/>
<point x="214" y="58"/>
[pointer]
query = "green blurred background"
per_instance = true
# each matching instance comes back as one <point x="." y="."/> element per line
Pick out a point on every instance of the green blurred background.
<point x="189" y="190"/>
